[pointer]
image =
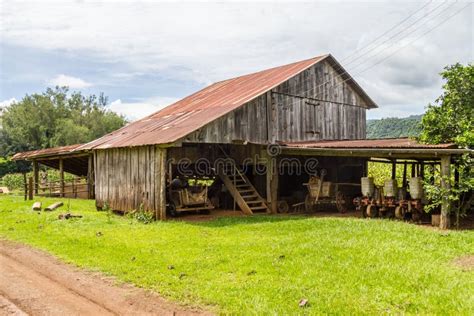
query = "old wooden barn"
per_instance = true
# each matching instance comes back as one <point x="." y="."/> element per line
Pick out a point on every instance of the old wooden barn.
<point x="258" y="138"/>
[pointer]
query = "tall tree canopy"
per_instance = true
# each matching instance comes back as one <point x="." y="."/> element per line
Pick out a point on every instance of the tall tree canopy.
<point x="55" y="118"/>
<point x="451" y="118"/>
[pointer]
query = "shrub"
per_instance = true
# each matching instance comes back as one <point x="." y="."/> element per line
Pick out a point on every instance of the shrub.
<point x="13" y="181"/>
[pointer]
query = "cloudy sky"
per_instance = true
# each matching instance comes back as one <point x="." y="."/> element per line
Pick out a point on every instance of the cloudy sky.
<point x="145" y="55"/>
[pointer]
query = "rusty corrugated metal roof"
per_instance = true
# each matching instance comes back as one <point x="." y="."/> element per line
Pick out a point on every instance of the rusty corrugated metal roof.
<point x="55" y="151"/>
<point x="202" y="107"/>
<point x="386" y="143"/>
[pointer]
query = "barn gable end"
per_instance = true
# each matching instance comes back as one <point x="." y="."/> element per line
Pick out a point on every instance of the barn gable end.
<point x="281" y="116"/>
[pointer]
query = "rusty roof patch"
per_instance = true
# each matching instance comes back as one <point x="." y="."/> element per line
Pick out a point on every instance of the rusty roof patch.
<point x="386" y="143"/>
<point x="195" y="111"/>
<point x="55" y="151"/>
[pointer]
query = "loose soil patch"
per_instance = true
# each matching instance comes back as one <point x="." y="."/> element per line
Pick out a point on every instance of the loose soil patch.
<point x="33" y="282"/>
<point x="465" y="262"/>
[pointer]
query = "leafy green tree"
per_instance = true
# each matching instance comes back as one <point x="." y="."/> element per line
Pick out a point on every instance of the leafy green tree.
<point x="55" y="118"/>
<point x="451" y="119"/>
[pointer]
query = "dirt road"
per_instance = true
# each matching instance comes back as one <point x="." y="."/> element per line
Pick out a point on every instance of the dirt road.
<point x="35" y="283"/>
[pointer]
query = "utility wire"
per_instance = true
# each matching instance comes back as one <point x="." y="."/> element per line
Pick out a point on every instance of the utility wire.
<point x="434" y="17"/>
<point x="339" y="67"/>
<point x="390" y="55"/>
<point x="386" y="32"/>
<point x="390" y="46"/>
<point x="367" y="60"/>
<point x="401" y="31"/>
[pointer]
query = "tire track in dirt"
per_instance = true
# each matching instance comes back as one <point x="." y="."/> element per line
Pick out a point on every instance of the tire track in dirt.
<point x="36" y="283"/>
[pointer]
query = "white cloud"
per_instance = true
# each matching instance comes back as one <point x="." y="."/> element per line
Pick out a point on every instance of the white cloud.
<point x="206" y="42"/>
<point x="72" y="82"/>
<point x="137" y="110"/>
<point x="6" y="103"/>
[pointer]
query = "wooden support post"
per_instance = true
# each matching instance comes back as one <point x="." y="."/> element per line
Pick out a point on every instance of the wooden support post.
<point x="445" y="185"/>
<point x="394" y="169"/>
<point x="365" y="172"/>
<point x="413" y="169"/>
<point x="404" y="181"/>
<point x="272" y="183"/>
<point x="90" y="177"/>
<point x="422" y="170"/>
<point x="161" y="167"/>
<point x="30" y="188"/>
<point x="35" y="176"/>
<point x="25" y="186"/>
<point x="61" y="177"/>
<point x="74" y="187"/>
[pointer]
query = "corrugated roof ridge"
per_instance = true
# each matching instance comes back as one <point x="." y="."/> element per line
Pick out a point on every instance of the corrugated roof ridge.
<point x="318" y="58"/>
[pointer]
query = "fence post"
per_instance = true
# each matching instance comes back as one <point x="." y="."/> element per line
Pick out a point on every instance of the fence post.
<point x="30" y="188"/>
<point x="61" y="177"/>
<point x="25" y="184"/>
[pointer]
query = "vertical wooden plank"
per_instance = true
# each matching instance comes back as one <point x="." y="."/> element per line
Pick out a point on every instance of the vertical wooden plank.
<point x="130" y="186"/>
<point x="97" y="177"/>
<point x="404" y="181"/>
<point x="61" y="177"/>
<point x="272" y="178"/>
<point x="25" y="185"/>
<point x="135" y="179"/>
<point x="89" y="176"/>
<point x="30" y="188"/>
<point x="445" y="185"/>
<point x="35" y="176"/>
<point x="161" y="180"/>
<point x="152" y="188"/>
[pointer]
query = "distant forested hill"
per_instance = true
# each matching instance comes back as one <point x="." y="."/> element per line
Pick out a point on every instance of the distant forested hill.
<point x="393" y="127"/>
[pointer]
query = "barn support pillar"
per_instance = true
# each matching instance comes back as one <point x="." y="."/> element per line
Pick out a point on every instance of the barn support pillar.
<point x="61" y="177"/>
<point x="404" y="181"/>
<point x="90" y="177"/>
<point x="394" y="169"/>
<point x="445" y="185"/>
<point x="160" y="169"/>
<point x="35" y="176"/>
<point x="272" y="183"/>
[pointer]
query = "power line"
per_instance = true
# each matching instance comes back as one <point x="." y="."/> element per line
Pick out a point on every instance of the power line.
<point x="386" y="32"/>
<point x="434" y="17"/>
<point x="378" y="53"/>
<point x="339" y="67"/>
<point x="389" y="47"/>
<point x="408" y="43"/>
<point x="400" y="32"/>
<point x="390" y="55"/>
<point x="417" y="38"/>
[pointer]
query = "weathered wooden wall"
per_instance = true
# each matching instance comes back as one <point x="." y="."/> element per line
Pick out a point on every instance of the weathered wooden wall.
<point x="129" y="178"/>
<point x="298" y="121"/>
<point x="247" y="123"/>
<point x="275" y="117"/>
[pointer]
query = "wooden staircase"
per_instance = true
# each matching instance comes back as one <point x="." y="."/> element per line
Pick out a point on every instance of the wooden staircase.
<point x="243" y="192"/>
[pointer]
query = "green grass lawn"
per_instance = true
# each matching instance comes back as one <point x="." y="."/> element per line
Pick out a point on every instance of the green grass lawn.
<point x="262" y="264"/>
